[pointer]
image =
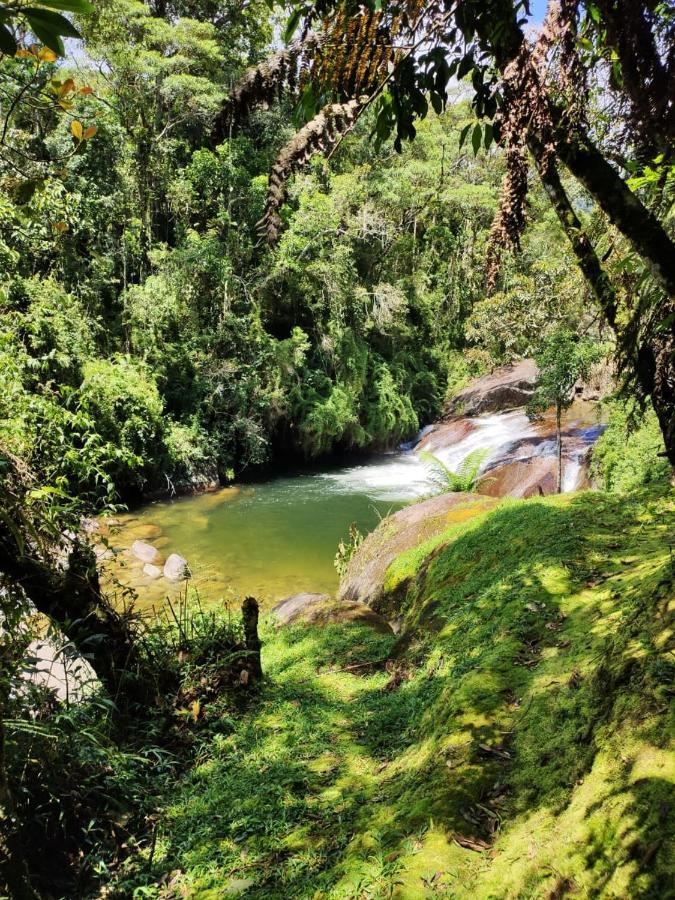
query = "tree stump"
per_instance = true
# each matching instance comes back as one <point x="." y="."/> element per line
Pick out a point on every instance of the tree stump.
<point x="250" y="612"/>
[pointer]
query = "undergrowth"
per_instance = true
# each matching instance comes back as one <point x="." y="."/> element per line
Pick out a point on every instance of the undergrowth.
<point x="513" y="741"/>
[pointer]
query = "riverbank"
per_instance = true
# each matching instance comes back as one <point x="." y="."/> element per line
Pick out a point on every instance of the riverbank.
<point x="514" y="734"/>
<point x="273" y="538"/>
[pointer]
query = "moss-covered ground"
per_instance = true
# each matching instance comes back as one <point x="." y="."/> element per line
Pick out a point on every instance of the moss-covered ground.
<point x="513" y="741"/>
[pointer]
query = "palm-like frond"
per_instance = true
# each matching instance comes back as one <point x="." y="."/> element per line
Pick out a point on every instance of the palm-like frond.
<point x="315" y="137"/>
<point x="464" y="479"/>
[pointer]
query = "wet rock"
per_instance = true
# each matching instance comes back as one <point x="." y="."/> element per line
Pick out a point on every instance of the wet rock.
<point x="146" y="552"/>
<point x="507" y="387"/>
<point x="291" y="607"/>
<point x="176" y="568"/>
<point x="152" y="571"/>
<point x="529" y="467"/>
<point x="364" y="580"/>
<point x="142" y="532"/>
<point x="320" y="609"/>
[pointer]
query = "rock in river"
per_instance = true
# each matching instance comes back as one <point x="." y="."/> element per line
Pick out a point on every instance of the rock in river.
<point x="290" y="608"/>
<point x="146" y="552"/>
<point x="176" y="568"/>
<point x="152" y="571"/>
<point x="506" y="388"/>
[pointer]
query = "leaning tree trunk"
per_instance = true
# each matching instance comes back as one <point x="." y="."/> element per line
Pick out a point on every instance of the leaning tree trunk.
<point x="655" y="369"/>
<point x="655" y="357"/>
<point x="558" y="432"/>
<point x="72" y="599"/>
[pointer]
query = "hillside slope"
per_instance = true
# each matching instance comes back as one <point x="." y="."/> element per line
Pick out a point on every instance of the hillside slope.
<point x="513" y="741"/>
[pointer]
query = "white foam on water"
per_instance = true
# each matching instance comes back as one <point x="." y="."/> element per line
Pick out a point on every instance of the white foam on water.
<point x="403" y="476"/>
<point x="489" y="433"/>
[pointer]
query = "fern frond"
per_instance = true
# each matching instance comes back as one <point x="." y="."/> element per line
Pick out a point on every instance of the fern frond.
<point x="470" y="466"/>
<point x="315" y="137"/>
<point x="464" y="479"/>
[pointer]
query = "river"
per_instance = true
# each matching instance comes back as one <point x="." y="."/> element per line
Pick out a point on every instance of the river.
<point x="278" y="537"/>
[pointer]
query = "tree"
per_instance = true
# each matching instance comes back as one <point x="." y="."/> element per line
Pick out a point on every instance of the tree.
<point x="562" y="361"/>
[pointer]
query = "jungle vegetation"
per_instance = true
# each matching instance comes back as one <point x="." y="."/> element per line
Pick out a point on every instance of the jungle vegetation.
<point x="237" y="235"/>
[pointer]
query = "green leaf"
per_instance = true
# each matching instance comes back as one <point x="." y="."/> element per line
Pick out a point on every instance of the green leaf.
<point x="436" y="102"/>
<point x="47" y="26"/>
<point x="465" y="65"/>
<point x="476" y="138"/>
<point x="7" y="42"/>
<point x="292" y="24"/>
<point x="76" y="6"/>
<point x="489" y="136"/>
<point x="593" y="12"/>
<point x="464" y="134"/>
<point x="57" y="23"/>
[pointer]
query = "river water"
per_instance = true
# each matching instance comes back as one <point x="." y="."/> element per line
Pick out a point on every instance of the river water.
<point x="279" y="537"/>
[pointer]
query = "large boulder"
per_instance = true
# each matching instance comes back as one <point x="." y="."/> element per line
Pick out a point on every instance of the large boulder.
<point x="146" y="552"/>
<point x="363" y="581"/>
<point x="286" y="610"/>
<point x="320" y="609"/>
<point x="508" y="387"/>
<point x="176" y="568"/>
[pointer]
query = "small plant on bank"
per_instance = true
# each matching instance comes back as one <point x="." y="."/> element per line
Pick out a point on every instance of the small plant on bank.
<point x="465" y="479"/>
<point x="346" y="549"/>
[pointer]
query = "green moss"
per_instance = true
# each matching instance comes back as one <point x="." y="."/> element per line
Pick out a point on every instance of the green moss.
<point x="515" y="745"/>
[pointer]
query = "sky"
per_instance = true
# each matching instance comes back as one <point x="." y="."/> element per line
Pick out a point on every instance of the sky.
<point x="538" y="10"/>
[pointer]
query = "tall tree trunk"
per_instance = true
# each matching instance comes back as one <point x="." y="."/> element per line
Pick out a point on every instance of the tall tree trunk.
<point x="587" y="259"/>
<point x="655" y="357"/>
<point x="558" y="431"/>
<point x="624" y="209"/>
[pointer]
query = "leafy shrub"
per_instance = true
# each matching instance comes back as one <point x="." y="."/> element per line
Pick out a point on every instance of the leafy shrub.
<point x="627" y="455"/>
<point x="123" y="399"/>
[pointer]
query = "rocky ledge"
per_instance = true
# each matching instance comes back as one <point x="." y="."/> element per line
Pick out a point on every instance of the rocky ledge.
<point x="321" y="609"/>
<point x="364" y="579"/>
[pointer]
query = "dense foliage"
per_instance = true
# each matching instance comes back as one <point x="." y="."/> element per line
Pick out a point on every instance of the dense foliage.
<point x="151" y="342"/>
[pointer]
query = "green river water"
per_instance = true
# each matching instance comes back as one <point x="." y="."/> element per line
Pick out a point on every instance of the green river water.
<point x="269" y="539"/>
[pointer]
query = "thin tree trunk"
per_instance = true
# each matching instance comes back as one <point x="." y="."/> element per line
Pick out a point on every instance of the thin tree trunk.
<point x="558" y="427"/>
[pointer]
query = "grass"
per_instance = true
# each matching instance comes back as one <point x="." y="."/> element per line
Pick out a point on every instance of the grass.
<point x="515" y="743"/>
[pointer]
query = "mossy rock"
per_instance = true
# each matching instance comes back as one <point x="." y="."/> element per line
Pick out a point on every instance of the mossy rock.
<point x="364" y="580"/>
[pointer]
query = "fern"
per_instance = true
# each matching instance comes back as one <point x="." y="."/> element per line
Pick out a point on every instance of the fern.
<point x="465" y="479"/>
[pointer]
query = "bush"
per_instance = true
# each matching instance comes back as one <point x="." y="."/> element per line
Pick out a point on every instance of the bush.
<point x="123" y="399"/>
<point x="627" y="457"/>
